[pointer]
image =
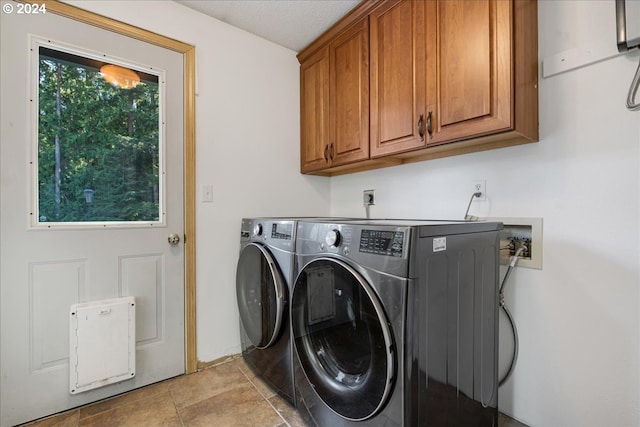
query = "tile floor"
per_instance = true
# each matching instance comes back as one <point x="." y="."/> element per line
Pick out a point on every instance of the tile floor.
<point x="228" y="394"/>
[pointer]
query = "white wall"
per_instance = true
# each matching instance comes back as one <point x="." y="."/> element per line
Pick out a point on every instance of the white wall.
<point x="578" y="317"/>
<point x="247" y="139"/>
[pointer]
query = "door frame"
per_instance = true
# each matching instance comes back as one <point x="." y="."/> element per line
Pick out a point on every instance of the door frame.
<point x="189" y="58"/>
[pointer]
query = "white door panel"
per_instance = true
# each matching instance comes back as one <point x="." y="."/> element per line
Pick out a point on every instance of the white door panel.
<point x="45" y="271"/>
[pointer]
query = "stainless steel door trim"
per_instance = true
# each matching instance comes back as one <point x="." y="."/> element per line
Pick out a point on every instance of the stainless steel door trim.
<point x="279" y="291"/>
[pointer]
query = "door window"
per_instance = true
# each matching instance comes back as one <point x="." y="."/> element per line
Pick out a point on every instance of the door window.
<point x="98" y="153"/>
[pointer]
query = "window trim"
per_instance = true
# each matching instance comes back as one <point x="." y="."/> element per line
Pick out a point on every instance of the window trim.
<point x="35" y="42"/>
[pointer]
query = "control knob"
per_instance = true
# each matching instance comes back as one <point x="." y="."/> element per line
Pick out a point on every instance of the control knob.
<point x="257" y="230"/>
<point x="332" y="238"/>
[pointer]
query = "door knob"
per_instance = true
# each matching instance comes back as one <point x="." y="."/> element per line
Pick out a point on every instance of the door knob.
<point x="173" y="239"/>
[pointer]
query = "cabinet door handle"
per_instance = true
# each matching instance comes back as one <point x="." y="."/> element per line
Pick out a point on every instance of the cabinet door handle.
<point x="331" y="151"/>
<point x="420" y="127"/>
<point x="429" y="125"/>
<point x="326" y="153"/>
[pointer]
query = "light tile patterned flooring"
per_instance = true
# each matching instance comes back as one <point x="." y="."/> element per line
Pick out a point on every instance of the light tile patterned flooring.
<point x="226" y="395"/>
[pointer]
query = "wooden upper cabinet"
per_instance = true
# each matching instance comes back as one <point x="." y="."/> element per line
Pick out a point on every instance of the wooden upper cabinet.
<point x="314" y="112"/>
<point x="334" y="106"/>
<point x="469" y="68"/>
<point x="398" y="83"/>
<point x="349" y="95"/>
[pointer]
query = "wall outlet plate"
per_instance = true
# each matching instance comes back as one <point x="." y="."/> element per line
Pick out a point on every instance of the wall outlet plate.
<point x="521" y="229"/>
<point x="480" y="185"/>
<point x="369" y="197"/>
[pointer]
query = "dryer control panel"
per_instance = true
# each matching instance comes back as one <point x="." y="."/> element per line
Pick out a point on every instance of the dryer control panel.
<point x="282" y="230"/>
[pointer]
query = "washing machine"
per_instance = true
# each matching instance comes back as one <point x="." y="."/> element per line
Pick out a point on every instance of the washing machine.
<point x="394" y="323"/>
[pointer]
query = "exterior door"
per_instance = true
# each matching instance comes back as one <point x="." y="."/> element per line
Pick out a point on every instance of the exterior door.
<point x="50" y="261"/>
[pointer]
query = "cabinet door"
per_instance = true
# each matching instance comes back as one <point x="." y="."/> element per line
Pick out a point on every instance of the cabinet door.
<point x="469" y="68"/>
<point x="349" y="95"/>
<point x="398" y="84"/>
<point x="314" y="112"/>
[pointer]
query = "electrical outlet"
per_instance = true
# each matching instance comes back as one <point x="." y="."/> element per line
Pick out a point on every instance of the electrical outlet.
<point x="369" y="197"/>
<point x="480" y="186"/>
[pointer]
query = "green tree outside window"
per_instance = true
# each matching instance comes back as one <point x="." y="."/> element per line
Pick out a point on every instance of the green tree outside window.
<point x="98" y="145"/>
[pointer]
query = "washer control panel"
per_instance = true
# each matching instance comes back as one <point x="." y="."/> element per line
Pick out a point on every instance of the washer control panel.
<point x="389" y="243"/>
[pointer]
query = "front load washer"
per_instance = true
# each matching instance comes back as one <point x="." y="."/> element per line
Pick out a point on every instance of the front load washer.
<point x="394" y="323"/>
<point x="263" y="276"/>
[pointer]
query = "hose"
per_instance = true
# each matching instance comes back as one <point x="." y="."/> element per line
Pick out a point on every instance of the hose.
<point x="631" y="106"/>
<point x="515" y="347"/>
<point x="514" y="359"/>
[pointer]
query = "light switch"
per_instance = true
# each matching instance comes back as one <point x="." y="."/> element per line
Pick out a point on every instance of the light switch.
<point x="207" y="193"/>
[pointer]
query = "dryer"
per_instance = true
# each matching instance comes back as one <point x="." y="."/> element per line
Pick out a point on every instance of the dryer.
<point x="263" y="275"/>
<point x="394" y="323"/>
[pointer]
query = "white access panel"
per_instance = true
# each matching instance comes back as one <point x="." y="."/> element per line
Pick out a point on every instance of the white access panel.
<point x="102" y="343"/>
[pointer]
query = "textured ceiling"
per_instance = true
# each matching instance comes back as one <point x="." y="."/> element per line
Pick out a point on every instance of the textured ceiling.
<point x="289" y="23"/>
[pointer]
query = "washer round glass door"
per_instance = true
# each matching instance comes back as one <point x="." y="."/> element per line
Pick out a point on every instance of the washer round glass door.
<point x="260" y="291"/>
<point x="342" y="338"/>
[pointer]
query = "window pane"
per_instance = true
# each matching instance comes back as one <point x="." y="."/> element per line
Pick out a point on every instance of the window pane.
<point x="98" y="142"/>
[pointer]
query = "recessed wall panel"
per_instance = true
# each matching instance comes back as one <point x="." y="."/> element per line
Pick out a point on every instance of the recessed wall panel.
<point x="53" y="287"/>
<point x="141" y="277"/>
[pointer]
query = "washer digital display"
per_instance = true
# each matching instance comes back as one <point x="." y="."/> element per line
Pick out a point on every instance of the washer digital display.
<point x="390" y="243"/>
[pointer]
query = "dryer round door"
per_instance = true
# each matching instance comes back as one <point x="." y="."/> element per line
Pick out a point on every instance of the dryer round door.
<point x="260" y="291"/>
<point x="342" y="338"/>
